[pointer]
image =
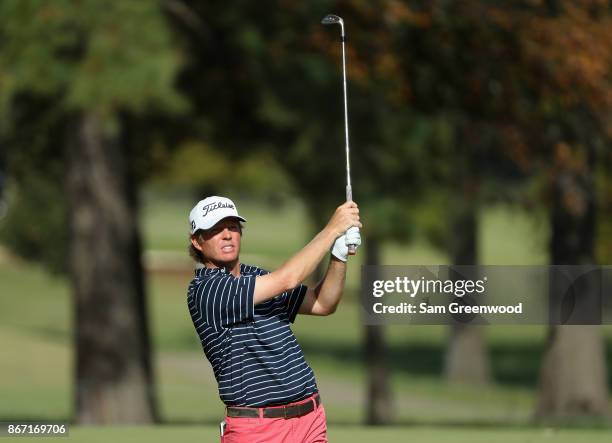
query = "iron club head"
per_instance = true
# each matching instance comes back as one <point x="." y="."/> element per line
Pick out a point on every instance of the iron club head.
<point x="331" y="19"/>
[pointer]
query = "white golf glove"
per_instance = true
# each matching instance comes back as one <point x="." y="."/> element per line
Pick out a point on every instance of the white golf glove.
<point x="340" y="247"/>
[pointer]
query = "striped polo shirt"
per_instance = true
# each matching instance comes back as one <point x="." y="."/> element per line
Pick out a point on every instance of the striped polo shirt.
<point x="255" y="357"/>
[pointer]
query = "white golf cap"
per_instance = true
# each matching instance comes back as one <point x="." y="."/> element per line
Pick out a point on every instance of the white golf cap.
<point x="210" y="211"/>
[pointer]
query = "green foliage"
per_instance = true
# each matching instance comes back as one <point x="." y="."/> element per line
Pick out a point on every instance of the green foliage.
<point x="428" y="85"/>
<point x="197" y="164"/>
<point x="102" y="55"/>
<point x="58" y="59"/>
<point x="384" y="217"/>
<point x="260" y="175"/>
<point x="604" y="182"/>
<point x="200" y="167"/>
<point x="35" y="226"/>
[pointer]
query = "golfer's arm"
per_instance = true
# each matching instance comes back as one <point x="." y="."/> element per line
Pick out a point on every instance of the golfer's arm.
<point x="295" y="270"/>
<point x="323" y="299"/>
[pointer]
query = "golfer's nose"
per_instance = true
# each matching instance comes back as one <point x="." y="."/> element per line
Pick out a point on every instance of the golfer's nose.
<point x="227" y="233"/>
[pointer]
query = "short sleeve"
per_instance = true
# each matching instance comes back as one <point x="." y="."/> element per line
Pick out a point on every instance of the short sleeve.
<point x="293" y="300"/>
<point x="226" y="300"/>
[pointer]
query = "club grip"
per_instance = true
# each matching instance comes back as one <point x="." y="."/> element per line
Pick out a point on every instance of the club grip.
<point x="352" y="249"/>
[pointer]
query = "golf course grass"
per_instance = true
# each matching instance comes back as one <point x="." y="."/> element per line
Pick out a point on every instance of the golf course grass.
<point x="35" y="336"/>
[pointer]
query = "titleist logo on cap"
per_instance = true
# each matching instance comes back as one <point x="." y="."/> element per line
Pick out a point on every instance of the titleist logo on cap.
<point x="215" y="205"/>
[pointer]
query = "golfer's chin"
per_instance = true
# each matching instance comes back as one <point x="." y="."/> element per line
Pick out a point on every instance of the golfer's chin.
<point x="227" y="257"/>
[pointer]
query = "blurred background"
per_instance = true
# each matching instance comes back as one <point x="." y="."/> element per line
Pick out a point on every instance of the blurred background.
<point x="481" y="133"/>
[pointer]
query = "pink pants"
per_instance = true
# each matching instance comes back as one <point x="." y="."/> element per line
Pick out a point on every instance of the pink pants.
<point x="309" y="428"/>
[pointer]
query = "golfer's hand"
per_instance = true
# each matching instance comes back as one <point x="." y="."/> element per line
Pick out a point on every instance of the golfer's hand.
<point x="345" y="217"/>
<point x="340" y="247"/>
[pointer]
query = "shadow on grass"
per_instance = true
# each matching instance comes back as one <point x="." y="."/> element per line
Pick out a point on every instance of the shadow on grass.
<point x="69" y="420"/>
<point x="591" y="425"/>
<point x="181" y="341"/>
<point x="512" y="365"/>
<point x="482" y="425"/>
<point x="442" y="424"/>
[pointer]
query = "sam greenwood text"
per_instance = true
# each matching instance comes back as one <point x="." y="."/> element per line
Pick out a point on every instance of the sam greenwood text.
<point x="452" y="308"/>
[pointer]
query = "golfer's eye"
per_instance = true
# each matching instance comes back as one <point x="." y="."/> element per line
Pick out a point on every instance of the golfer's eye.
<point x="231" y="228"/>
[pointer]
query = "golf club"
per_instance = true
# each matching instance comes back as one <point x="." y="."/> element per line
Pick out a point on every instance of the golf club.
<point x="331" y="19"/>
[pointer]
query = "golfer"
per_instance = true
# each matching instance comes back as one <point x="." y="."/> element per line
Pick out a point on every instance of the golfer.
<point x="242" y="314"/>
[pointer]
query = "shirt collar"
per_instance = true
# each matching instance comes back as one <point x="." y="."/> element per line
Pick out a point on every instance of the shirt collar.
<point x="201" y="272"/>
<point x="206" y="272"/>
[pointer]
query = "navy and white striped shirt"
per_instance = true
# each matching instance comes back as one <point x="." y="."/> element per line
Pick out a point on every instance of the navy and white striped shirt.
<point x="256" y="359"/>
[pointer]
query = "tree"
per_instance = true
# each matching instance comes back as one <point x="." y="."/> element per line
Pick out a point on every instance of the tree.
<point x="537" y="75"/>
<point x="573" y="386"/>
<point x="564" y="111"/>
<point x="96" y="64"/>
<point x="446" y="61"/>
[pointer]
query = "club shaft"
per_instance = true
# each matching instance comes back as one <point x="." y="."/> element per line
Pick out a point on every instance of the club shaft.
<point x="352" y="249"/>
<point x="327" y="20"/>
<point x="349" y="193"/>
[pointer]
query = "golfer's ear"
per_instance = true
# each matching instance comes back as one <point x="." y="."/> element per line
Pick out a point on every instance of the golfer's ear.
<point x="195" y="242"/>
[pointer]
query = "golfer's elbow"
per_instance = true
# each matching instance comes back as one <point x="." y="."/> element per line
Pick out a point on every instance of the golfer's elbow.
<point x="330" y="310"/>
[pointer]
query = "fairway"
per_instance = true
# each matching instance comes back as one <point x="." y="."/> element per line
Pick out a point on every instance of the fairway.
<point x="36" y="370"/>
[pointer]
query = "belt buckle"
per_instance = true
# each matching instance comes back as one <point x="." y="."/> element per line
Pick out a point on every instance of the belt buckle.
<point x="285" y="412"/>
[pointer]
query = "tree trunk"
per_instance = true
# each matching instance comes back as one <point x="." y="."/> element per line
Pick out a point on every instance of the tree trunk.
<point x="2" y="176"/>
<point x="573" y="380"/>
<point x="467" y="359"/>
<point x="573" y="374"/>
<point x="114" y="378"/>
<point x="379" y="400"/>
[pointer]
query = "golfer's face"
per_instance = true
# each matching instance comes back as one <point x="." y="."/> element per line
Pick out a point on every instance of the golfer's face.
<point x="221" y="243"/>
